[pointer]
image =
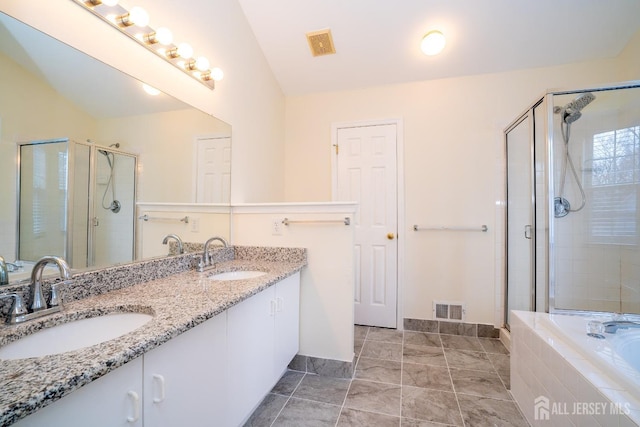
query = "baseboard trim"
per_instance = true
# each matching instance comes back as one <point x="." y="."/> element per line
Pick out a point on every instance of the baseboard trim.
<point x="479" y="330"/>
<point x="324" y="367"/>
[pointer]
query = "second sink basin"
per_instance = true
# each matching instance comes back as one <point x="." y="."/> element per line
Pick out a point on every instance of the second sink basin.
<point x="237" y="275"/>
<point x="74" y="335"/>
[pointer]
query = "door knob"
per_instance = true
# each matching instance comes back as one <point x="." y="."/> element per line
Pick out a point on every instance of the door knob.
<point x="390" y="236"/>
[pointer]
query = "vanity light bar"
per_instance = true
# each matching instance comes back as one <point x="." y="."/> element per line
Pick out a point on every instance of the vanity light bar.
<point x="134" y="23"/>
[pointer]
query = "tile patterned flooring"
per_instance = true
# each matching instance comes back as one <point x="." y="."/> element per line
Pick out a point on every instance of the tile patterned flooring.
<point x="402" y="378"/>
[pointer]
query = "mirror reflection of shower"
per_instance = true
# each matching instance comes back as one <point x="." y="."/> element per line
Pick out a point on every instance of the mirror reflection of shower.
<point x="568" y="115"/>
<point x="114" y="206"/>
<point x="61" y="200"/>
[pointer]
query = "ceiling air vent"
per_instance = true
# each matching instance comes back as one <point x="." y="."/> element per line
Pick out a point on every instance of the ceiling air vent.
<point x="321" y="43"/>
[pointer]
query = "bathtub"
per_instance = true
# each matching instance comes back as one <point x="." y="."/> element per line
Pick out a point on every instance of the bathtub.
<point x="560" y="376"/>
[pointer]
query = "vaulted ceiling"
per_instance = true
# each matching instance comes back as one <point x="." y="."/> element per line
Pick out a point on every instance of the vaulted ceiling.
<point x="377" y="41"/>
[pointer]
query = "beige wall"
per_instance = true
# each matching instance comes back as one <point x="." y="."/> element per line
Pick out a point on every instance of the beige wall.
<point x="29" y="110"/>
<point x="326" y="292"/>
<point x="453" y="170"/>
<point x="453" y="154"/>
<point x="165" y="145"/>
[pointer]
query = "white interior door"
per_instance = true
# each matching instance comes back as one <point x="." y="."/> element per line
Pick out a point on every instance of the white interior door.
<point x="213" y="170"/>
<point x="367" y="173"/>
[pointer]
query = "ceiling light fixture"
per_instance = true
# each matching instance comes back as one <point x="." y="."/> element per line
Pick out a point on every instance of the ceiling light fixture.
<point x="433" y="43"/>
<point x="135" y="24"/>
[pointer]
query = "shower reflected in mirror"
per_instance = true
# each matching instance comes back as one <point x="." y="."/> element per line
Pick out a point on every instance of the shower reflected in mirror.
<point x="114" y="206"/>
<point x="64" y="187"/>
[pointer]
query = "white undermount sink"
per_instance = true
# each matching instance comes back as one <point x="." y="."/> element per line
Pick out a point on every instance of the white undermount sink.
<point x="74" y="335"/>
<point x="237" y="275"/>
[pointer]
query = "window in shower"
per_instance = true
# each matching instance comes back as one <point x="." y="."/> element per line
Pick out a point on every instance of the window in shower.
<point x="615" y="175"/>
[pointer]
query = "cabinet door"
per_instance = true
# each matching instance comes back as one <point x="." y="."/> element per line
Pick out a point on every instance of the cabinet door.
<point x="113" y="400"/>
<point x="287" y="323"/>
<point x="185" y="378"/>
<point x="250" y="354"/>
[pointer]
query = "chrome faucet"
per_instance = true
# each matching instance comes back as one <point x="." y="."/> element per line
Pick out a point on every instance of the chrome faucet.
<point x="37" y="300"/>
<point x="38" y="308"/>
<point x="206" y="262"/>
<point x="614" y="325"/>
<point x="177" y="239"/>
<point x="4" y="272"/>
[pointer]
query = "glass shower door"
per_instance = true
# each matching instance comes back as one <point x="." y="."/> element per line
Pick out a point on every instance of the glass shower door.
<point x="520" y="261"/>
<point x="44" y="199"/>
<point x="113" y="220"/>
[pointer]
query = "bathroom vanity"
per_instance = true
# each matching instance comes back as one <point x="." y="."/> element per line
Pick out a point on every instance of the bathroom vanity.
<point x="211" y="352"/>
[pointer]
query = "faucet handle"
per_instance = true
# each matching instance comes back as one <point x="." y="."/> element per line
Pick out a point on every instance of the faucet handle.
<point x="199" y="261"/>
<point x="17" y="309"/>
<point x="56" y="295"/>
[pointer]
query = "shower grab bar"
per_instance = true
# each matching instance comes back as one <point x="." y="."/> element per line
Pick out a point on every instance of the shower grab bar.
<point x="146" y="217"/>
<point x="483" y="228"/>
<point x="345" y="221"/>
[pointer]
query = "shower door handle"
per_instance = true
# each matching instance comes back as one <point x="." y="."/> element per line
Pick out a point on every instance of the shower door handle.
<point x="527" y="232"/>
<point x="95" y="221"/>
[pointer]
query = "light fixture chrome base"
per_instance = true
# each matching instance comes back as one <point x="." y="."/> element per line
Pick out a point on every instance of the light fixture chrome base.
<point x="110" y="14"/>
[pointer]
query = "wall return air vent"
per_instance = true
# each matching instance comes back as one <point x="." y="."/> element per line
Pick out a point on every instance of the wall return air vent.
<point x="444" y="310"/>
<point x="321" y="43"/>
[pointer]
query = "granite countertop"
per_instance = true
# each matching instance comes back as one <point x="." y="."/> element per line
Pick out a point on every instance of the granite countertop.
<point x="177" y="303"/>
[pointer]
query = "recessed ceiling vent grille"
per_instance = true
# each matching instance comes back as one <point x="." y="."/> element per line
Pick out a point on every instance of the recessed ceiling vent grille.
<point x="321" y="43"/>
<point x="443" y="310"/>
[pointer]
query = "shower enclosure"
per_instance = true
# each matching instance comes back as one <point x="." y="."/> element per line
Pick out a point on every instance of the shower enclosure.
<point x="76" y="200"/>
<point x="573" y="202"/>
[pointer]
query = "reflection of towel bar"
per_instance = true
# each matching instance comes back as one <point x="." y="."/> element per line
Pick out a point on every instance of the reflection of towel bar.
<point x="345" y="221"/>
<point x="482" y="228"/>
<point x="146" y="217"/>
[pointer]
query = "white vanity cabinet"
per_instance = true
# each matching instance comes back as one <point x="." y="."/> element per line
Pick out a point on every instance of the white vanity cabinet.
<point x="214" y="374"/>
<point x="287" y="323"/>
<point x="113" y="400"/>
<point x="185" y="378"/>
<point x="263" y="337"/>
<point x="181" y="382"/>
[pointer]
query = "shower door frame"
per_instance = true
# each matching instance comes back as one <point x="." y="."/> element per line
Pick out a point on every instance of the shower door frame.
<point x="93" y="181"/>
<point x="527" y="115"/>
<point x="68" y="244"/>
<point x="551" y="276"/>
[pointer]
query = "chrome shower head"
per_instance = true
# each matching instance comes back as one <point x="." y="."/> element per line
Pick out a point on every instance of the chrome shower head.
<point x="580" y="102"/>
<point x="570" y="117"/>
<point x="571" y="111"/>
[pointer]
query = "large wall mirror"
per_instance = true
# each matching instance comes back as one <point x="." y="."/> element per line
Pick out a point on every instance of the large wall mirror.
<point x="66" y="114"/>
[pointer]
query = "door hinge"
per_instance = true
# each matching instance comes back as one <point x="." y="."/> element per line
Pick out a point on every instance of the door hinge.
<point x="336" y="145"/>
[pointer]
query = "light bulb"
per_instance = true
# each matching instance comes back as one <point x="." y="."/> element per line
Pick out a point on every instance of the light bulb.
<point x="164" y="36"/>
<point x="202" y="63"/>
<point x="138" y="16"/>
<point x="433" y="43"/>
<point x="105" y="2"/>
<point x="150" y="89"/>
<point x="217" y="74"/>
<point x="185" y="50"/>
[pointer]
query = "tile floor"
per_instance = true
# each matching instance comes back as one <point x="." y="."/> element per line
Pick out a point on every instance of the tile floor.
<point x="401" y="379"/>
